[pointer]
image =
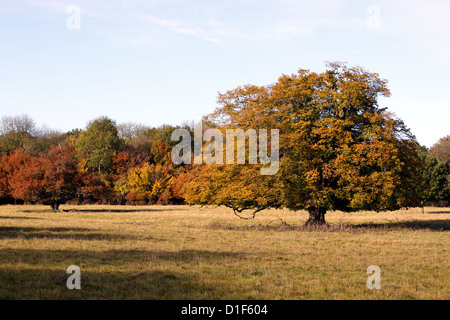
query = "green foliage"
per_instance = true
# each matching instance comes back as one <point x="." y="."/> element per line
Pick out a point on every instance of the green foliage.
<point x="98" y="144"/>
<point x="437" y="185"/>
<point x="17" y="132"/>
<point x="441" y="150"/>
<point x="20" y="132"/>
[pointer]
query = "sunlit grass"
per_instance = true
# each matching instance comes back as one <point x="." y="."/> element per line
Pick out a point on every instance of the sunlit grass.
<point x="182" y="252"/>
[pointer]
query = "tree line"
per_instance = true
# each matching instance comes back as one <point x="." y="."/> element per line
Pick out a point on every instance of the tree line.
<point x="104" y="163"/>
<point x="339" y="150"/>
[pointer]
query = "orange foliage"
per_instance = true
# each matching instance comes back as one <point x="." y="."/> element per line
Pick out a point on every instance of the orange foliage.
<point x="51" y="178"/>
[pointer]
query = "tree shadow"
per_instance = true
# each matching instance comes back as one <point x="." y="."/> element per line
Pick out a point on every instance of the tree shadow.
<point x="45" y="275"/>
<point x="57" y="233"/>
<point x="39" y="211"/>
<point x="432" y="225"/>
<point x="128" y="210"/>
<point x="20" y="218"/>
<point x="103" y="210"/>
<point x="149" y="285"/>
<point x="98" y="258"/>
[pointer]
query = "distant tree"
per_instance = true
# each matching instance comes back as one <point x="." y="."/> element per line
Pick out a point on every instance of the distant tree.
<point x="72" y="136"/>
<point x="163" y="133"/>
<point x="98" y="144"/>
<point x="129" y="130"/>
<point x="145" y="183"/>
<point x="9" y="164"/>
<point x="137" y="141"/>
<point x="438" y="188"/>
<point x="147" y="144"/>
<point x="21" y="132"/>
<point x="122" y="163"/>
<point x="17" y="132"/>
<point x="4" y="185"/>
<point x="441" y="150"/>
<point x="22" y="123"/>
<point x="179" y="183"/>
<point x="94" y="188"/>
<point x="51" y="178"/>
<point x="45" y="138"/>
<point x="437" y="185"/>
<point x="160" y="152"/>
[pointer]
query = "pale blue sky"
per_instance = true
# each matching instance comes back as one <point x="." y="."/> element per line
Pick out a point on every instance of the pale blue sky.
<point x="157" y="62"/>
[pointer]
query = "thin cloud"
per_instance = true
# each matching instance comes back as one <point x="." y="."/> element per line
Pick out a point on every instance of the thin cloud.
<point x="425" y="22"/>
<point x="285" y="19"/>
<point x="180" y="28"/>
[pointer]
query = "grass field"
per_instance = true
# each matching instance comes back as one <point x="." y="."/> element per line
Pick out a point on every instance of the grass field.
<point x="182" y="252"/>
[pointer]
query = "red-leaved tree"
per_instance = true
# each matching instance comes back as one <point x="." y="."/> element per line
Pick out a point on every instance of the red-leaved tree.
<point x="9" y="164"/>
<point x="51" y="178"/>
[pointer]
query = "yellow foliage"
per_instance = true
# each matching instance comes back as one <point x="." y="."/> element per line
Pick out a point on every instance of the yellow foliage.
<point x="147" y="181"/>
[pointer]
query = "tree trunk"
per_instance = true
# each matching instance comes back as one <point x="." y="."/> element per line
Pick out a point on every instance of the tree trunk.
<point x="54" y="206"/>
<point x="316" y="216"/>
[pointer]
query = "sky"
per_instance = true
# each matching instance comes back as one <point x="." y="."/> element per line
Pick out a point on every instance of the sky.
<point x="65" y="63"/>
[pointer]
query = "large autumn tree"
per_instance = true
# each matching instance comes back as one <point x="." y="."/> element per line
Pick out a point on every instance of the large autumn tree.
<point x="339" y="150"/>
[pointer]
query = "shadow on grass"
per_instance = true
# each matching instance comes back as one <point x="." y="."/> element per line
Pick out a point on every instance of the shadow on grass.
<point x="128" y="210"/>
<point x="94" y="258"/>
<point x="50" y="284"/>
<point x="102" y="210"/>
<point x="57" y="233"/>
<point x="45" y="275"/>
<point x="431" y="225"/>
<point x="20" y="218"/>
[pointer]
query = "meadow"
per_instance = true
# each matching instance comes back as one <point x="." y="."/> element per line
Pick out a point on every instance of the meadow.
<point x="203" y="253"/>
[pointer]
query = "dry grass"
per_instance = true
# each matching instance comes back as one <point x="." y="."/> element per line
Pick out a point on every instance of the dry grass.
<point x="181" y="252"/>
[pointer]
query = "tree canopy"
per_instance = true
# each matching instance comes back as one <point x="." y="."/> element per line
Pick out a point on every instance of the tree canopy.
<point x="98" y="144"/>
<point x="51" y="178"/>
<point x="339" y="150"/>
<point x="441" y="150"/>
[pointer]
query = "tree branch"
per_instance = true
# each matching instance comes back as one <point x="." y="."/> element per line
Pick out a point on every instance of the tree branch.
<point x="236" y="211"/>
